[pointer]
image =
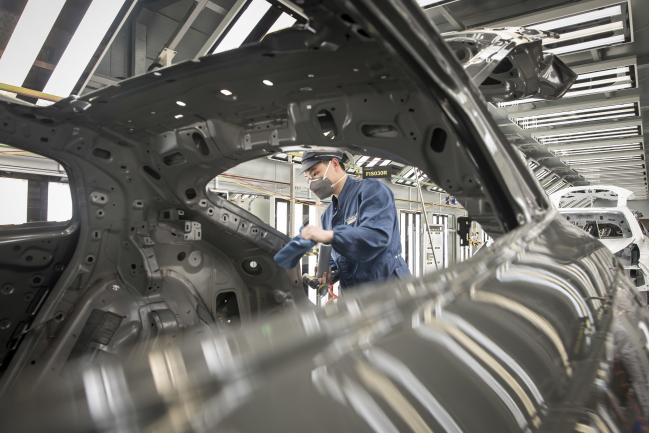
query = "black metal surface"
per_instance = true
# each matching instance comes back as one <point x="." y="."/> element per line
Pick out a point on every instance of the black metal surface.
<point x="541" y="332"/>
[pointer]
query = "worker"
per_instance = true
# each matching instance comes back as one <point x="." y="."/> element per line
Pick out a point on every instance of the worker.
<point x="360" y="224"/>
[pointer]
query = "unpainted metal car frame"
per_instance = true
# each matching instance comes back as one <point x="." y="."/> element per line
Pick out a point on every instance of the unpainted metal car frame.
<point x="540" y="332"/>
<point x="584" y="205"/>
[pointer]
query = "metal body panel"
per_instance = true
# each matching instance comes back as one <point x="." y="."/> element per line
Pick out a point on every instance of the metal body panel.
<point x="541" y="332"/>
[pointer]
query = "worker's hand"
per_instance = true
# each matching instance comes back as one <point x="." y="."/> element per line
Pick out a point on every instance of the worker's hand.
<point x="317" y="234"/>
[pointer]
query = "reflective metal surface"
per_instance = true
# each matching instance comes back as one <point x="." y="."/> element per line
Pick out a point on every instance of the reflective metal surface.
<point x="540" y="332"/>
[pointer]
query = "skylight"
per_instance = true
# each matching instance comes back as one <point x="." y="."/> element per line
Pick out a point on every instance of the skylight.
<point x="283" y="22"/>
<point x="243" y="26"/>
<point x="84" y="43"/>
<point x="29" y="35"/>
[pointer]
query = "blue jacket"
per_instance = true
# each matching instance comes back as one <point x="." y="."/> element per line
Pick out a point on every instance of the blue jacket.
<point x="366" y="243"/>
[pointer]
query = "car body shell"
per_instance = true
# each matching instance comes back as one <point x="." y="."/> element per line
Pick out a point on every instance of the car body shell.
<point x="541" y="332"/>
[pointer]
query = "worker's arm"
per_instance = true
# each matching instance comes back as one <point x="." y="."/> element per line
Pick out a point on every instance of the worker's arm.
<point x="376" y="218"/>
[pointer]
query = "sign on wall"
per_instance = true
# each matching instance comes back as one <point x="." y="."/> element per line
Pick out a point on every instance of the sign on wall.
<point x="376" y="173"/>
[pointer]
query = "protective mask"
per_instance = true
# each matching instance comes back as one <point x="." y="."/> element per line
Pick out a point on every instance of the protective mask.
<point x="322" y="187"/>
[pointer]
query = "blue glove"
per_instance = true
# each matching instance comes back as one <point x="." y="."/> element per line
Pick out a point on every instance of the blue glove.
<point x="289" y="256"/>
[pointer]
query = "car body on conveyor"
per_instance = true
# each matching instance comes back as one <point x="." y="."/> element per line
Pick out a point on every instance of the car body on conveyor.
<point x="189" y="325"/>
<point x="602" y="211"/>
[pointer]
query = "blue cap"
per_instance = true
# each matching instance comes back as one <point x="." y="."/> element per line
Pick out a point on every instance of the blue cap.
<point x="311" y="158"/>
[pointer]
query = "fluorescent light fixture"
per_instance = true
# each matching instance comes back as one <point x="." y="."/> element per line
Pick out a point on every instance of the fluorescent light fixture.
<point x="579" y="85"/>
<point x="599" y="90"/>
<point x="581" y="120"/>
<point x="600" y="134"/>
<point x="617" y="78"/>
<point x="178" y="116"/>
<point x="541" y="173"/>
<point x="605" y="136"/>
<point x="576" y="116"/>
<point x="181" y="103"/>
<point x="428" y="3"/>
<point x="283" y="22"/>
<point x="584" y="33"/>
<point x="603" y="73"/>
<point x="373" y="162"/>
<point x="580" y="111"/>
<point x="596" y="150"/>
<point x="27" y="39"/>
<point x="617" y="39"/>
<point x="267" y="83"/>
<point x="409" y="173"/>
<point x="579" y="19"/>
<point x="243" y="26"/>
<point x="91" y="30"/>
<point x="595" y="159"/>
<point x="360" y="161"/>
<point x="226" y="92"/>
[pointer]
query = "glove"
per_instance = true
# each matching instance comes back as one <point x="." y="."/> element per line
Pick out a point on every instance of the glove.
<point x="289" y="256"/>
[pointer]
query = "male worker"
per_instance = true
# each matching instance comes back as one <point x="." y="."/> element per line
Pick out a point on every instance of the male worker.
<point x="361" y="222"/>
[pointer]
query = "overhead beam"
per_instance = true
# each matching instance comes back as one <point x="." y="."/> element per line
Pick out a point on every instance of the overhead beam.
<point x="168" y="52"/>
<point x="225" y="23"/>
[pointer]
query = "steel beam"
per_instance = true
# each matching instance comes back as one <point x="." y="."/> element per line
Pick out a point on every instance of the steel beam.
<point x="232" y="14"/>
<point x="168" y="52"/>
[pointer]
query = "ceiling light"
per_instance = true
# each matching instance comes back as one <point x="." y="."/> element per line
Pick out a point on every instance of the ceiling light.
<point x="267" y="83"/>
<point x="595" y="74"/>
<point x="617" y="39"/>
<point x="598" y="134"/>
<point x="181" y="103"/>
<point x="580" y="111"/>
<point x="243" y="26"/>
<point x="615" y="111"/>
<point x="579" y="19"/>
<point x="283" y="22"/>
<point x="585" y="33"/>
<point x="27" y="39"/>
<point x="360" y="161"/>
<point x="226" y="92"/>
<point x="373" y="162"/>
<point x="588" y="83"/>
<point x="178" y="116"/>
<point x="599" y="90"/>
<point x="84" y="43"/>
<point x="431" y="3"/>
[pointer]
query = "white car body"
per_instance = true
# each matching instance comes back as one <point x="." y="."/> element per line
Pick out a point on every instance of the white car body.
<point x="585" y="203"/>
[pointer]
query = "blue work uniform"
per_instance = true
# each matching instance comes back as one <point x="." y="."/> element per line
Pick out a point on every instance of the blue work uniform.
<point x="366" y="243"/>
